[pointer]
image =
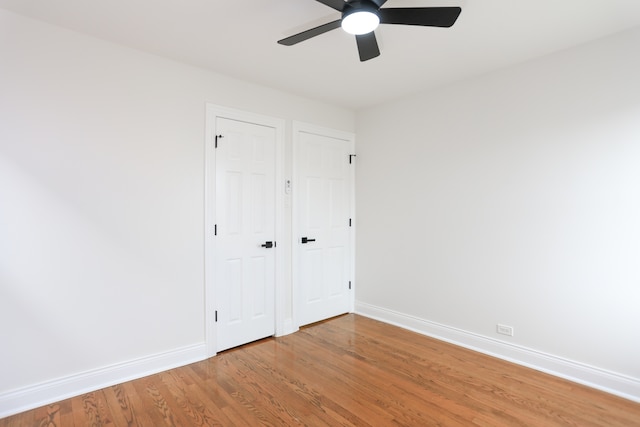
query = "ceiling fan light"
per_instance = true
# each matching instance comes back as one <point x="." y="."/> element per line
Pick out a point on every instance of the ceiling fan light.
<point x="360" y="22"/>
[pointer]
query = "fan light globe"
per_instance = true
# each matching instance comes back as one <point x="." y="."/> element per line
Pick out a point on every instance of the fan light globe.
<point x="362" y="22"/>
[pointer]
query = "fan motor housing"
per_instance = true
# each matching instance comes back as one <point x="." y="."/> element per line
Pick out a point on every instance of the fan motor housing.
<point x="353" y="6"/>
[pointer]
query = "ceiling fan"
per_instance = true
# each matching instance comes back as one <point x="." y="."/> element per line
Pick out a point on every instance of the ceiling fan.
<point x="361" y="17"/>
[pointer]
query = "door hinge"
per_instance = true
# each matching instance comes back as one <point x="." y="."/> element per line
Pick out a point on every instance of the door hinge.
<point x="349" y="222"/>
<point x="215" y="229"/>
<point x="350" y="157"/>
<point x="218" y="136"/>
<point x="349" y="284"/>
<point x="216" y="315"/>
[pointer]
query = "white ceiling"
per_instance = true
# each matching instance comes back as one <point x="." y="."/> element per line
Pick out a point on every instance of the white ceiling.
<point x="238" y="38"/>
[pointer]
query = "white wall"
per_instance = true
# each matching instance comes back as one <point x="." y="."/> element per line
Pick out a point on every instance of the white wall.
<point x="512" y="198"/>
<point x="102" y="201"/>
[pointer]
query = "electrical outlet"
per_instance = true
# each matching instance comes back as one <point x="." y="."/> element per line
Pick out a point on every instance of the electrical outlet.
<point x="505" y="330"/>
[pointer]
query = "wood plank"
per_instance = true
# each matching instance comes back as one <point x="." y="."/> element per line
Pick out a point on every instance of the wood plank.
<point x="348" y="371"/>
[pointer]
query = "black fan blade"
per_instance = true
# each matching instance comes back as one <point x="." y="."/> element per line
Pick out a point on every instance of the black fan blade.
<point x="306" y="35"/>
<point x="426" y="16"/>
<point x="367" y="46"/>
<point x="333" y="4"/>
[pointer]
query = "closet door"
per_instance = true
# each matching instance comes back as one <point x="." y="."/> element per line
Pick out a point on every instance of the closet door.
<point x="245" y="250"/>
<point x="323" y="227"/>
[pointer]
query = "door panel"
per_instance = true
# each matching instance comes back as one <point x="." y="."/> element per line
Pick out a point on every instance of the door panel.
<point x="323" y="210"/>
<point x="245" y="220"/>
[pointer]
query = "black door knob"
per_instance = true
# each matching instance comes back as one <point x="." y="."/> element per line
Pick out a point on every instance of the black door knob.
<point x="306" y="240"/>
<point x="267" y="245"/>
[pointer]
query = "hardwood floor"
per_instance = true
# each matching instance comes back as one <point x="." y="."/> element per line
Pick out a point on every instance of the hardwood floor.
<point x="349" y="371"/>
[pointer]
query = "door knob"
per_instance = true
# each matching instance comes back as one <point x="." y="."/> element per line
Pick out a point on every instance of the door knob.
<point x="306" y="240"/>
<point x="267" y="245"/>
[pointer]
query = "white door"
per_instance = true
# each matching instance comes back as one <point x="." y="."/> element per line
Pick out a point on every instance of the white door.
<point x="323" y="226"/>
<point x="245" y="232"/>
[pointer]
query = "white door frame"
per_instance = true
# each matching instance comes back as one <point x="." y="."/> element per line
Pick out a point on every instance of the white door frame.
<point x="212" y="113"/>
<point x="297" y="128"/>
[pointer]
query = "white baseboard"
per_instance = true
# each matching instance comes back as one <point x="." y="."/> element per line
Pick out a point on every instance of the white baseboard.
<point x="37" y="395"/>
<point x="600" y="379"/>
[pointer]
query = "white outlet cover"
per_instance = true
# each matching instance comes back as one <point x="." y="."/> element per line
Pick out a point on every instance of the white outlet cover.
<point x="505" y="330"/>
